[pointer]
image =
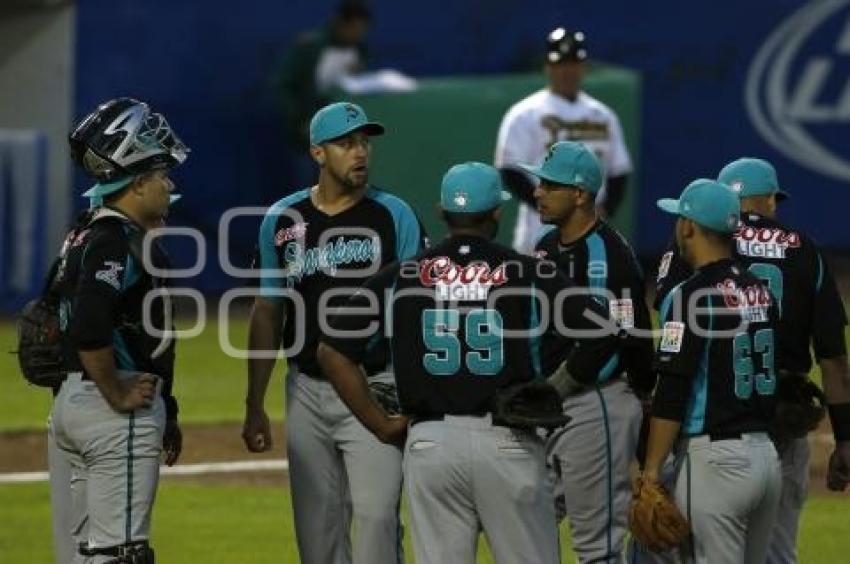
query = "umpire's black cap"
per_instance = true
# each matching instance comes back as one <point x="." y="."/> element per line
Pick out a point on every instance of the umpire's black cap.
<point x="564" y="45"/>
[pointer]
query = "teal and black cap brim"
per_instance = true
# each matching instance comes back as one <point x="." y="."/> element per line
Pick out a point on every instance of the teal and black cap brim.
<point x="538" y="172"/>
<point x="370" y="128"/>
<point x="669" y="205"/>
<point x="97" y="201"/>
<point x="102" y="189"/>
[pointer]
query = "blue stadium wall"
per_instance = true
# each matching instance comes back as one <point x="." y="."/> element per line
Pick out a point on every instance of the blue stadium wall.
<point x="721" y="79"/>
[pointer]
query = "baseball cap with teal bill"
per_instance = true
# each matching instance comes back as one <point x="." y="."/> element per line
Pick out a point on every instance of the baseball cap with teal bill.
<point x="338" y="119"/>
<point x="570" y="164"/>
<point x="707" y="202"/>
<point x="471" y="188"/>
<point x="103" y="189"/>
<point x="751" y="177"/>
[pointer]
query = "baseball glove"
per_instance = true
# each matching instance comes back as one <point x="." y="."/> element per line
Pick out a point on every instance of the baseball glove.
<point x="386" y="395"/>
<point x="528" y="406"/>
<point x="800" y="407"/>
<point x="654" y="519"/>
<point x="39" y="343"/>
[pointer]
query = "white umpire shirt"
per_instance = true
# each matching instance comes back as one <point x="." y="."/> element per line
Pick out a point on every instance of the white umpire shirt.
<point x="535" y="123"/>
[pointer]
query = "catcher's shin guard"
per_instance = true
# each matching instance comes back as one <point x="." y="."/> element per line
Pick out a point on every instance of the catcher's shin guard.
<point x="138" y="552"/>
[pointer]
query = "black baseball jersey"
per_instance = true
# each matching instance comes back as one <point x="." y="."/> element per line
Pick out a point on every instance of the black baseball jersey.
<point x="305" y="251"/>
<point x="102" y="285"/>
<point x="458" y="318"/>
<point x="810" y="307"/>
<point x="603" y="260"/>
<point x="717" y="356"/>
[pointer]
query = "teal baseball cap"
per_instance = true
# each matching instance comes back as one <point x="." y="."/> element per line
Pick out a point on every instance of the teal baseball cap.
<point x="571" y="164"/>
<point x="472" y="187"/>
<point x="708" y="203"/>
<point x="338" y="119"/>
<point x="751" y="177"/>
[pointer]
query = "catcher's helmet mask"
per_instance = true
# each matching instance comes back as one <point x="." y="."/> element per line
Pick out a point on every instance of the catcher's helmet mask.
<point x="123" y="137"/>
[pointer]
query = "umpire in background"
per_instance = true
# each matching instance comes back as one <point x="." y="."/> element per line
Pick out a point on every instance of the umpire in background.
<point x="466" y="466"/>
<point x="811" y="314"/>
<point x="114" y="414"/>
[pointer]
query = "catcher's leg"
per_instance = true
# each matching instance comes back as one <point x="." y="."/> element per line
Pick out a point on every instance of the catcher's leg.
<point x="61" y="509"/>
<point x="593" y="453"/>
<point x="437" y="481"/>
<point x="374" y="480"/>
<point x="795" y="484"/>
<point x="121" y="490"/>
<point x="77" y="513"/>
<point x="316" y="475"/>
<point x="763" y="515"/>
<point x="120" y="454"/>
<point x="514" y="497"/>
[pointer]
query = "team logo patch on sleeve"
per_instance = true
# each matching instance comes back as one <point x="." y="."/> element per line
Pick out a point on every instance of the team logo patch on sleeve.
<point x="672" y="337"/>
<point x="623" y="312"/>
<point x="110" y="273"/>
<point x="664" y="267"/>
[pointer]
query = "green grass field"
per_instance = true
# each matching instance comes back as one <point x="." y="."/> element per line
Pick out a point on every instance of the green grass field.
<point x="194" y="523"/>
<point x="209" y="384"/>
<point x="251" y="524"/>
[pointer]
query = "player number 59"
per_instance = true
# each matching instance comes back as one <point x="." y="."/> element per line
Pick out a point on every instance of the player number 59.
<point x="483" y="331"/>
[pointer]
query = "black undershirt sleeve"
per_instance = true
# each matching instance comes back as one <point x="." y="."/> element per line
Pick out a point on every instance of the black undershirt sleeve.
<point x="615" y="193"/>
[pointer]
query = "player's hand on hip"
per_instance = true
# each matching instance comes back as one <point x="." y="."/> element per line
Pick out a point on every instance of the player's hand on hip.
<point x="256" y="431"/>
<point x="838" y="471"/>
<point x="393" y="431"/>
<point x="172" y="442"/>
<point x="136" y="393"/>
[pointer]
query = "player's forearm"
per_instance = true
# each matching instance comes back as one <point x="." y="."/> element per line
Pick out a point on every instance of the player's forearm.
<point x="264" y="341"/>
<point x="671" y="397"/>
<point x="662" y="435"/>
<point x="350" y="384"/>
<point x="638" y="354"/>
<point x="99" y="365"/>
<point x="836" y="386"/>
<point x="836" y="379"/>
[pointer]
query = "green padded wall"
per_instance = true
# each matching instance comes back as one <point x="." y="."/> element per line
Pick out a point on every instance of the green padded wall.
<point x="450" y="120"/>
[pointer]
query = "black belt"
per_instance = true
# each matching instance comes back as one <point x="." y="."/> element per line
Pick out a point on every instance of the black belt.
<point x="321" y="377"/>
<point x="724" y="436"/>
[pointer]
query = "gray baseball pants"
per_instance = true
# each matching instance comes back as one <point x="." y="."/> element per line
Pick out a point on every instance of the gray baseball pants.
<point x="338" y="471"/>
<point x="795" y="484"/>
<point x="590" y="460"/>
<point x="114" y="459"/>
<point x="463" y="475"/>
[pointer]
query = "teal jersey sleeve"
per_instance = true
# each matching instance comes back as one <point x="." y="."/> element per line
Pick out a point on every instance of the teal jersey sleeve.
<point x="410" y="235"/>
<point x="269" y="260"/>
<point x="271" y="281"/>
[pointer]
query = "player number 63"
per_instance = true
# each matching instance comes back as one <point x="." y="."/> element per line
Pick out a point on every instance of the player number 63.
<point x="744" y="348"/>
